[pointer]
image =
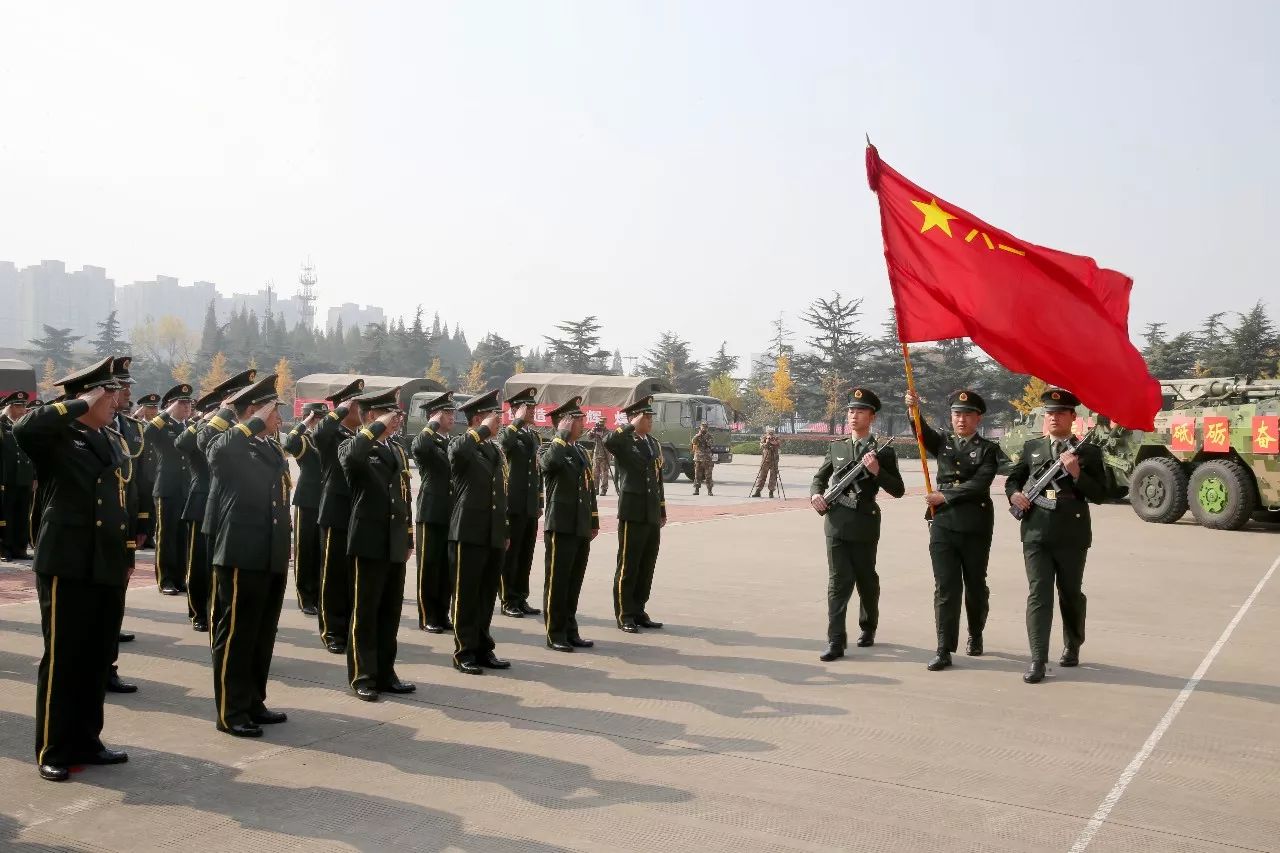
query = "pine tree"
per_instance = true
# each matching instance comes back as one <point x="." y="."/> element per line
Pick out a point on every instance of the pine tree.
<point x="826" y="374"/>
<point x="721" y="364"/>
<point x="56" y="345"/>
<point x="284" y="380"/>
<point x="372" y="358"/>
<point x="616" y="367"/>
<point x="670" y="359"/>
<point x="780" y="343"/>
<point x="1252" y="343"/>
<point x="435" y="326"/>
<point x="578" y="351"/>
<point x="216" y="375"/>
<point x="498" y="357"/>
<point x="212" y="336"/>
<point x="109" y="342"/>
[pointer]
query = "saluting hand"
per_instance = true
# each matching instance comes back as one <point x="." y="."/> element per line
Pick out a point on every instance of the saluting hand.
<point x="493" y="422"/>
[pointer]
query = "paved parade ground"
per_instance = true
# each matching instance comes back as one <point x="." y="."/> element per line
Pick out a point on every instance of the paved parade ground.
<point x="722" y="731"/>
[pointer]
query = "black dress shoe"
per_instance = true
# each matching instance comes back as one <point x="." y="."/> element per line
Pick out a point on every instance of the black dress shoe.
<point x="126" y="637"/>
<point x="579" y="643"/>
<point x="267" y="717"/>
<point x="200" y="625"/>
<point x="557" y="646"/>
<point x="467" y="667"/>
<point x="309" y="610"/>
<point x="115" y="685"/>
<point x="646" y="622"/>
<point x="491" y="661"/>
<point x="1034" y="673"/>
<point x="866" y="638"/>
<point x="941" y="661"/>
<point x="973" y="648"/>
<point x="336" y="648"/>
<point x="1070" y="657"/>
<point x="366" y="693"/>
<point x="181" y="587"/>
<point x="399" y="686"/>
<point x="834" y="650"/>
<point x="168" y="589"/>
<point x="433" y="629"/>
<point x="54" y="773"/>
<point x="241" y="730"/>
<point x="105" y="756"/>
<point x="512" y="610"/>
<point x="527" y="610"/>
<point x="630" y="627"/>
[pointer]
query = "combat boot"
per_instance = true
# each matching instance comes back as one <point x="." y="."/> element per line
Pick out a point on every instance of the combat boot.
<point x="696" y="487"/>
<point x="709" y="492"/>
<point x="940" y="661"/>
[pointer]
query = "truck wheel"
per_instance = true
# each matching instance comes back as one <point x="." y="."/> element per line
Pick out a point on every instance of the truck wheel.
<point x="1221" y="495"/>
<point x="1158" y="490"/>
<point x="670" y="465"/>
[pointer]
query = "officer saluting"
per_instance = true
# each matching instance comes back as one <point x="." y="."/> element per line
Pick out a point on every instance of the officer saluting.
<point x="1055" y="542"/>
<point x="642" y="513"/>
<point x="172" y="477"/>
<point x="572" y="523"/>
<point x="431" y="452"/>
<point x="335" y="514"/>
<point x="148" y="406"/>
<point x="306" y="508"/>
<point x="477" y="533"/>
<point x="962" y="522"/>
<point x="250" y="555"/>
<point x="378" y="542"/>
<point x="18" y="476"/>
<point x="82" y="565"/>
<point x="853" y="523"/>
<point x="524" y="503"/>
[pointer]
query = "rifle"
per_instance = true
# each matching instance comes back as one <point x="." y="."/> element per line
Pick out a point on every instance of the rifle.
<point x="1039" y="492"/>
<point x="849" y="475"/>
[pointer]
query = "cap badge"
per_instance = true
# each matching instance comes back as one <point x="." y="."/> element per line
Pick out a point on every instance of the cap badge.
<point x="964" y="398"/>
<point x="857" y="395"/>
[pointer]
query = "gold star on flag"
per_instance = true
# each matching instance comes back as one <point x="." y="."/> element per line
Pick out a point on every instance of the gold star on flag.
<point x="934" y="216"/>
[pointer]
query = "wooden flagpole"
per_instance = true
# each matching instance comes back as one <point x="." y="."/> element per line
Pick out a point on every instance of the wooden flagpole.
<point x="915" y="419"/>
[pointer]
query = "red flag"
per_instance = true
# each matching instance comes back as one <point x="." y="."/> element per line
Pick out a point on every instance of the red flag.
<point x="1035" y="310"/>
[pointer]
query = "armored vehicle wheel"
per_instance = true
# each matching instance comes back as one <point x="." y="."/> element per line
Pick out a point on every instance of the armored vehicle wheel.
<point x="670" y="465"/>
<point x="1221" y="495"/>
<point x="1158" y="490"/>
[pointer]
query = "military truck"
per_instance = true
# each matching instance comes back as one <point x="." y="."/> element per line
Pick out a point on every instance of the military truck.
<point x="16" y="375"/>
<point x="676" y="415"/>
<point x="1215" y="450"/>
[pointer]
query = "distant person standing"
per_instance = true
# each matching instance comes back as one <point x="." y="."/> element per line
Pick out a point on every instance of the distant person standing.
<point x="770" y="452"/>
<point x="704" y="460"/>
<point x="18" y="479"/>
<point x="148" y="408"/>
<point x="601" y="458"/>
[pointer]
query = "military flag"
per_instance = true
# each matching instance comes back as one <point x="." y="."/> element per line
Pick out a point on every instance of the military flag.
<point x="1035" y="310"/>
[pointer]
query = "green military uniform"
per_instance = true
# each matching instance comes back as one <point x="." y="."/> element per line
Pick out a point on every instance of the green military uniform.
<point x="852" y="527"/>
<point x="960" y="529"/>
<point x="173" y="474"/>
<point x="249" y="544"/>
<point x="379" y="537"/>
<point x="16" y="475"/>
<point x="524" y="507"/>
<point x="130" y="436"/>
<point x="477" y="537"/>
<point x="572" y="522"/>
<point x="81" y="568"/>
<point x="1055" y="542"/>
<point x="337" y="581"/>
<point x="146" y="477"/>
<point x="703" y="460"/>
<point x="307" y="553"/>
<point x="642" y="512"/>
<point x="601" y="459"/>
<point x="434" y="581"/>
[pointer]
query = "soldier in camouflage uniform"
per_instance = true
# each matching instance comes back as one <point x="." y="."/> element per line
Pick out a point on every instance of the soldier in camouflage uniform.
<point x="770" y="451"/>
<point x="703" y="461"/>
<point x="601" y="458"/>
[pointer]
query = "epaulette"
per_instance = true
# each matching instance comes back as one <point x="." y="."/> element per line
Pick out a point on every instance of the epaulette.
<point x="157" y="422"/>
<point x="219" y="423"/>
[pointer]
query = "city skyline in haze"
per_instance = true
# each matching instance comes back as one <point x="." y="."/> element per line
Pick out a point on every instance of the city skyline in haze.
<point x="692" y="168"/>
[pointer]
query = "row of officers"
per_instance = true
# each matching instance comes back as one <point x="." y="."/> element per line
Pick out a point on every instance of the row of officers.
<point x="220" y="498"/>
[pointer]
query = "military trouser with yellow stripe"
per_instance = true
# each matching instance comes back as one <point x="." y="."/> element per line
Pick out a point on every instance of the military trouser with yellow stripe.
<point x="476" y="570"/>
<point x="375" y="623"/>
<point x="336" y="582"/>
<point x="246" y="613"/>
<point x="435" y="581"/>
<point x="198" y="572"/>
<point x="566" y="563"/>
<point x="171" y="544"/>
<point x="79" y="620"/>
<point x="638" y="543"/>
<point x="518" y="563"/>
<point x="308" y="554"/>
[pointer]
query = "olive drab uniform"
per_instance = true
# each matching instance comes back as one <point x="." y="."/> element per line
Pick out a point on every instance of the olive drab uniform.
<point x="572" y="518"/>
<point x="379" y="537"/>
<point x="703" y="460"/>
<point x="337" y="581"/>
<point x="198" y="568"/>
<point x="1055" y="543"/>
<point x="601" y="458"/>
<point x="145" y="476"/>
<point x="129" y="434"/>
<point x="173" y="473"/>
<point x="434" y="582"/>
<point x="249" y="546"/>
<point x="16" y="475"/>
<point x="960" y="532"/>
<point x="81" y="569"/>
<point x="307" y="552"/>
<point x="477" y="539"/>
<point x="642" y="510"/>
<point x="852" y="527"/>
<point x="770" y="453"/>
<point x="524" y="507"/>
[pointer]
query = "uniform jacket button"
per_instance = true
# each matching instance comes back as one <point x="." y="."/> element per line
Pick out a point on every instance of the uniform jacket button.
<point x="98" y="523"/>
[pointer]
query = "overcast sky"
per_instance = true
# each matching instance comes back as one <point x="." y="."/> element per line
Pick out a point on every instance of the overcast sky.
<point x="693" y="167"/>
